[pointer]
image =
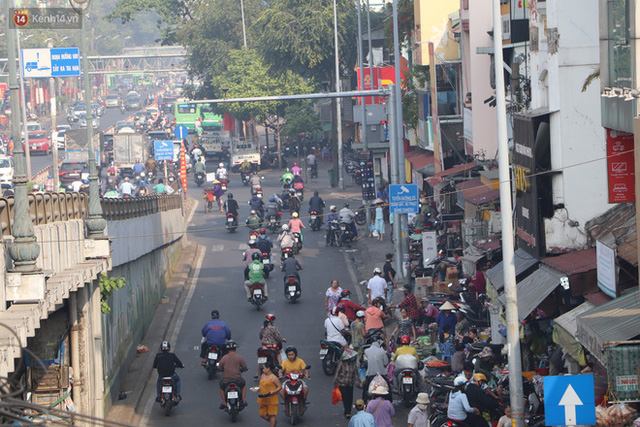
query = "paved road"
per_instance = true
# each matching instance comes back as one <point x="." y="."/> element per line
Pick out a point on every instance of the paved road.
<point x="219" y="286"/>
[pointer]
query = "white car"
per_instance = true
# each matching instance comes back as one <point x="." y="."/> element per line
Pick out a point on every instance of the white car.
<point x="6" y="169"/>
<point x="153" y="112"/>
<point x="83" y="121"/>
<point x="31" y="126"/>
<point x="58" y="136"/>
<point x="112" y="101"/>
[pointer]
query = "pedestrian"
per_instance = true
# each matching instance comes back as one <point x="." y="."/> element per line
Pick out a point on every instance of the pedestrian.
<point x="446" y="317"/>
<point x="377" y="286"/>
<point x="405" y="327"/>
<point x="410" y="303"/>
<point x="268" y="398"/>
<point x="332" y="296"/>
<point x="418" y="416"/>
<point x="378" y="222"/>
<point x="389" y="275"/>
<point x="345" y="378"/>
<point x="362" y="418"/>
<point x="381" y="409"/>
<point x="504" y="421"/>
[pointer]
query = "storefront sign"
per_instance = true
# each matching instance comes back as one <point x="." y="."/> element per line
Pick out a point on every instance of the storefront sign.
<point x="622" y="368"/>
<point x="606" y="265"/>
<point x="620" y="166"/>
<point x="429" y="247"/>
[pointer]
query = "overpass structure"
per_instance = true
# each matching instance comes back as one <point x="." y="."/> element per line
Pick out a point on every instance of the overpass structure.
<point x="63" y="334"/>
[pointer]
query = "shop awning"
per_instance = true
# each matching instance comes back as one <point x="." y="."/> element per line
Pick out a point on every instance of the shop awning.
<point x="534" y="289"/>
<point x="438" y="177"/>
<point x="573" y="262"/>
<point x="564" y="332"/>
<point x="616" y="320"/>
<point x="420" y="161"/>
<point x="523" y="262"/>
<point x="477" y="193"/>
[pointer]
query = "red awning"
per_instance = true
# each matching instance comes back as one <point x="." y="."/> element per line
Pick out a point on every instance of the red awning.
<point x="598" y="298"/>
<point x="456" y="170"/>
<point x="419" y="160"/>
<point x="476" y="193"/>
<point x="573" y="262"/>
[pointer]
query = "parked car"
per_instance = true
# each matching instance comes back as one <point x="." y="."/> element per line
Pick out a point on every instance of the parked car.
<point x="112" y="101"/>
<point x="39" y="142"/>
<point x="70" y="171"/>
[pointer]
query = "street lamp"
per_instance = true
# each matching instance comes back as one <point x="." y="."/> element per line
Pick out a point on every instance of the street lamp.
<point x="338" y="105"/>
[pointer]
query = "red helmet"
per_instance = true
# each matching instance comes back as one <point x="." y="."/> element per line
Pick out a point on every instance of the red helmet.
<point x="345" y="293"/>
<point x="263" y="231"/>
<point x="405" y="339"/>
<point x="270" y="317"/>
<point x="295" y="163"/>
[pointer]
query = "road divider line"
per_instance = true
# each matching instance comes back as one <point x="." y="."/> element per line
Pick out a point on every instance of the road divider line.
<point x="217" y="248"/>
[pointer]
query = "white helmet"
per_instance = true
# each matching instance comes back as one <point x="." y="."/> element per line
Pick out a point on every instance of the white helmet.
<point x="377" y="270"/>
<point x="459" y="381"/>
<point x="285" y="227"/>
<point x="332" y="207"/>
<point x="221" y="165"/>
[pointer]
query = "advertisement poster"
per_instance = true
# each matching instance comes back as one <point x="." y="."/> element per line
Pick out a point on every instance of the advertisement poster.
<point x="620" y="167"/>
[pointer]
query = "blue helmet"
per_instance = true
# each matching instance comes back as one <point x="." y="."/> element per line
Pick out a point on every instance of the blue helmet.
<point x="272" y="198"/>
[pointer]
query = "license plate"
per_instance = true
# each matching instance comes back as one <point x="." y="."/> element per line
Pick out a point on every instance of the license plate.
<point x="273" y="220"/>
<point x="292" y="288"/>
<point x="342" y="227"/>
<point x="232" y="395"/>
<point x="230" y="220"/>
<point x="213" y="356"/>
<point x="265" y="261"/>
<point x="224" y="188"/>
<point x="166" y="389"/>
<point x="262" y="360"/>
<point x="299" y="194"/>
<point x="313" y="217"/>
<point x="259" y="195"/>
<point x="257" y="292"/>
<point x="324" y="352"/>
<point x="407" y="380"/>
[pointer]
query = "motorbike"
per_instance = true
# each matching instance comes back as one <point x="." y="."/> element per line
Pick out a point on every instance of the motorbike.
<point x="214" y="354"/>
<point x="266" y="355"/>
<point x="294" y="203"/>
<point x="408" y="383"/>
<point x="257" y="295"/>
<point x="313" y="171"/>
<point x="344" y="235"/>
<point x="373" y="335"/>
<point x="199" y="178"/>
<point x="294" y="403"/>
<point x="223" y="184"/>
<point x="297" y="245"/>
<point x="330" y="353"/>
<point x="286" y="253"/>
<point x="254" y="234"/>
<point x="361" y="215"/>
<point x="233" y="393"/>
<point x="333" y="233"/>
<point x="258" y="192"/>
<point x="293" y="290"/>
<point x="273" y="221"/>
<point x="266" y="261"/>
<point x="299" y="191"/>
<point x="168" y="398"/>
<point x="314" y="221"/>
<point x="232" y="222"/>
<point x="245" y="178"/>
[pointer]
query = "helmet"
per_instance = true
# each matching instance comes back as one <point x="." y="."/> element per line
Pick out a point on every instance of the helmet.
<point x="165" y="346"/>
<point x="295" y="163"/>
<point x="360" y="313"/>
<point x="221" y="165"/>
<point x="85" y="181"/>
<point x="294" y="215"/>
<point x="263" y="231"/>
<point x="215" y="314"/>
<point x="255" y="256"/>
<point x="141" y="174"/>
<point x="346" y="205"/>
<point x="345" y="293"/>
<point x="251" y="242"/>
<point x="291" y="348"/>
<point x="229" y="195"/>
<point x="285" y="227"/>
<point x="405" y="339"/>
<point x="253" y="212"/>
<point x="332" y="207"/>
<point x="459" y="381"/>
<point x="272" y="198"/>
<point x="231" y="345"/>
<point x="479" y="377"/>
<point x="334" y="310"/>
<point x="270" y="317"/>
<point x="377" y="271"/>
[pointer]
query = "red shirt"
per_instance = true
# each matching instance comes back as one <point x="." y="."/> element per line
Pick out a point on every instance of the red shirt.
<point x="411" y="305"/>
<point x="350" y="308"/>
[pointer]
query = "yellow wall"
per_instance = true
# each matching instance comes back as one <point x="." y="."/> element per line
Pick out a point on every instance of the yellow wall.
<point x="431" y="23"/>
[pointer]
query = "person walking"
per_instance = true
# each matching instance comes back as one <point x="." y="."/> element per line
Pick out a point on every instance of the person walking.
<point x="381" y="409"/>
<point x="418" y="416"/>
<point x="345" y="378"/>
<point x="378" y="222"/>
<point x="390" y="277"/>
<point x="332" y="296"/>
<point x="362" y="418"/>
<point x="268" y="398"/>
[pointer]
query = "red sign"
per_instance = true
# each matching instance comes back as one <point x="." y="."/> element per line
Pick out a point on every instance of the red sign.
<point x="620" y="166"/>
<point x="3" y="90"/>
<point x="183" y="169"/>
<point x="20" y="18"/>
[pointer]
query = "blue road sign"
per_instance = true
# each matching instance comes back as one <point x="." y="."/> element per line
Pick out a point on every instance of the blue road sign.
<point x="569" y="400"/>
<point x="163" y="150"/>
<point x="56" y="62"/>
<point x="403" y="198"/>
<point x="181" y="132"/>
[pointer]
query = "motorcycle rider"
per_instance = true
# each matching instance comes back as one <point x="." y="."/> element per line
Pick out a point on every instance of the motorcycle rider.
<point x="295" y="170"/>
<point x="232" y="365"/>
<point x="231" y="206"/>
<point x="350" y="308"/>
<point x="312" y="161"/>
<point x="273" y="207"/>
<point x="297" y="179"/>
<point x="221" y="173"/>
<point x="257" y="204"/>
<point x="245" y="166"/>
<point x="253" y="221"/>
<point x="459" y="408"/>
<point x="255" y="181"/>
<point x="199" y="168"/>
<point x="256" y="275"/>
<point x="216" y="332"/>
<point x="247" y="256"/>
<point x="285" y="239"/>
<point x="296" y="225"/>
<point x="166" y="363"/>
<point x="264" y="244"/>
<point x="294" y="364"/>
<point x="347" y="216"/>
<point x="291" y="266"/>
<point x="316" y="204"/>
<point x="406" y="357"/>
<point x="138" y="168"/>
<point x="287" y="179"/>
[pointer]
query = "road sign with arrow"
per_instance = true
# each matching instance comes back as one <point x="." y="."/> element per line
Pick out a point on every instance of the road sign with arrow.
<point x="569" y="400"/>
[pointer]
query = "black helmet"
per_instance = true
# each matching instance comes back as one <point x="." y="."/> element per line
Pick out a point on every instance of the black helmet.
<point x="291" y="348"/>
<point x="229" y="195"/>
<point x="165" y="346"/>
<point x="255" y="256"/>
<point x="215" y="314"/>
<point x="231" y="345"/>
<point x="346" y="205"/>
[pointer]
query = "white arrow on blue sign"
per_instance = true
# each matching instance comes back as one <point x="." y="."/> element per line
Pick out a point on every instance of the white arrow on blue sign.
<point x="403" y="198"/>
<point x="181" y="132"/>
<point x="569" y="400"/>
<point x="163" y="150"/>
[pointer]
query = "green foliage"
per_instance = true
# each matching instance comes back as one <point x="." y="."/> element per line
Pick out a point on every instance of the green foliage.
<point x="301" y="118"/>
<point x="248" y="76"/>
<point x="405" y="23"/>
<point x="418" y="77"/>
<point x="298" y="36"/>
<point x="109" y="285"/>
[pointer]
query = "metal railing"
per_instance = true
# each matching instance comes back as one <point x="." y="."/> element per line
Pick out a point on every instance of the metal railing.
<point x="46" y="208"/>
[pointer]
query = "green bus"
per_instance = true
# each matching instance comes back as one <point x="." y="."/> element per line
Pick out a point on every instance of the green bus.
<point x="186" y="113"/>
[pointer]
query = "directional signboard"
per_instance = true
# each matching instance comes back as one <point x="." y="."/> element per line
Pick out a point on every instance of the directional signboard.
<point x="181" y="132"/>
<point x="569" y="400"/>
<point x="403" y="198"/>
<point x="163" y="150"/>
<point x="55" y="62"/>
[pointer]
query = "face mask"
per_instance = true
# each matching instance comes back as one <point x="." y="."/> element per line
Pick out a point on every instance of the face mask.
<point x="421" y="406"/>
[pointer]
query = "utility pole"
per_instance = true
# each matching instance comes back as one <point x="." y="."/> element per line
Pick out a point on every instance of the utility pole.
<point x="363" y="103"/>
<point x="23" y="102"/>
<point x="392" y="112"/>
<point x="54" y="125"/>
<point x="513" y="324"/>
<point x="244" y="29"/>
<point x="338" y="101"/>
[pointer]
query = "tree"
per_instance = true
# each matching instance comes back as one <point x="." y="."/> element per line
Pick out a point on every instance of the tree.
<point x="300" y="119"/>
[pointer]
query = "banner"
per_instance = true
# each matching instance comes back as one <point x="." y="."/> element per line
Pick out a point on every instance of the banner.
<point x="620" y="166"/>
<point x="183" y="169"/>
<point x="622" y="369"/>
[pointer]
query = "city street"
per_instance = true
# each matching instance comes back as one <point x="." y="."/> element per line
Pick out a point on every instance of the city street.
<point x="219" y="286"/>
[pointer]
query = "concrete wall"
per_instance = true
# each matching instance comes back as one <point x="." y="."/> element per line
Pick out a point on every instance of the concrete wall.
<point x="153" y="258"/>
<point x="61" y="245"/>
